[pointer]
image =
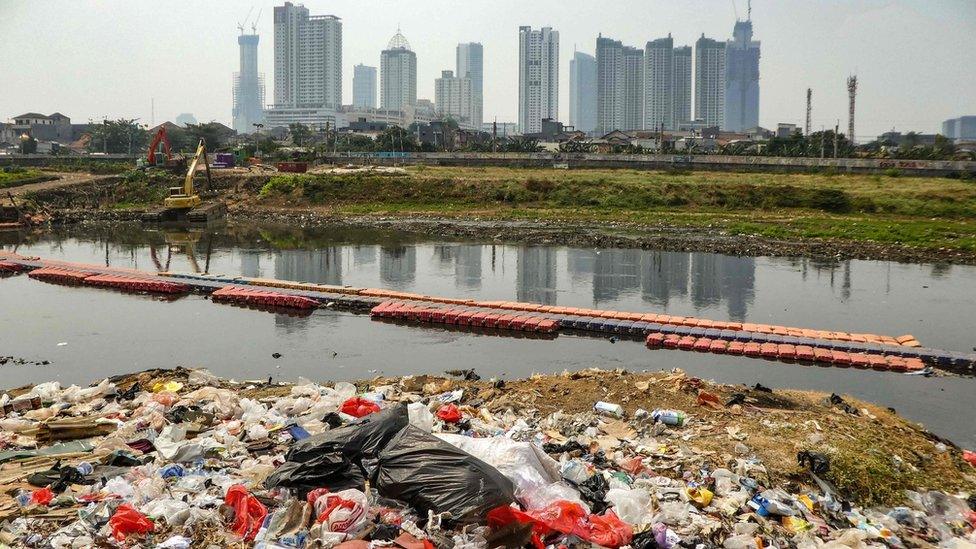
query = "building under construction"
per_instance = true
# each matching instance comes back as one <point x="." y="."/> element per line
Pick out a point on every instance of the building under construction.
<point x="248" y="86"/>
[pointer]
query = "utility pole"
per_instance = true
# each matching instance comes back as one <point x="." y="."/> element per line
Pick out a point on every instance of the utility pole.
<point x="851" y="95"/>
<point x="806" y="129"/>
<point x="821" y="141"/>
<point x="836" y="131"/>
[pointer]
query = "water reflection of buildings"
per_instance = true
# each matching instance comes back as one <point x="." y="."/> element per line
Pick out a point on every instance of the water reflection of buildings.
<point x="536" y="275"/>
<point x="251" y="263"/>
<point x="322" y="266"/>
<point x="363" y="255"/>
<point x="466" y="261"/>
<point x="398" y="265"/>
<point x="707" y="279"/>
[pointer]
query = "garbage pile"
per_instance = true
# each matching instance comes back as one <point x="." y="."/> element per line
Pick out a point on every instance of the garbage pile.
<point x="180" y="458"/>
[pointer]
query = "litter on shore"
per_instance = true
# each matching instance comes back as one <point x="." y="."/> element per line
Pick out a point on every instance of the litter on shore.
<point x="181" y="458"/>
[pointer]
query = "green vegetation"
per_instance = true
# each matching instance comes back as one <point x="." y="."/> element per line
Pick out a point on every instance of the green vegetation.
<point x="11" y="176"/>
<point x="139" y="189"/>
<point x="915" y="211"/>
<point x="90" y="165"/>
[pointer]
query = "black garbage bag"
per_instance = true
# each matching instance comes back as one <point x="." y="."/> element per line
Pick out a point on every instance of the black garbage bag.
<point x="817" y="462"/>
<point x="340" y="458"/>
<point x="594" y="492"/>
<point x="432" y="475"/>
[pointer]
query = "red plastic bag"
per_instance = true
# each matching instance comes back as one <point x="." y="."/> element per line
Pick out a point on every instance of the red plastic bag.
<point x="42" y="496"/>
<point x="249" y="513"/>
<point x="316" y="494"/>
<point x="567" y="518"/>
<point x="969" y="456"/>
<point x="449" y="413"/>
<point x="127" y="520"/>
<point x="359" y="407"/>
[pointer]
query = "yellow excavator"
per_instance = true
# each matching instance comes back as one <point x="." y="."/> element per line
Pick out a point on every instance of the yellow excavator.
<point x="185" y="198"/>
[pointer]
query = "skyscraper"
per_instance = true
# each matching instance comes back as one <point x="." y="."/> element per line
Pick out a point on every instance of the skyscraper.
<point x="742" y="79"/>
<point x="620" y="86"/>
<point x="308" y="58"/>
<point x="398" y="75"/>
<point x="538" y="77"/>
<point x="248" y="87"/>
<point x="470" y="64"/>
<point x="364" y="87"/>
<point x="681" y="86"/>
<point x="633" y="83"/>
<point x="659" y="84"/>
<point x="710" y="81"/>
<point x="582" y="92"/>
<point x="454" y="97"/>
<point x="609" y="91"/>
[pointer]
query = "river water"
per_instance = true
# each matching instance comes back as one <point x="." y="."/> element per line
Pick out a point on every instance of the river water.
<point x="90" y="333"/>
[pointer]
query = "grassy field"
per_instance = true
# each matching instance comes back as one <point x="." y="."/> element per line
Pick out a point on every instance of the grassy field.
<point x="18" y="176"/>
<point x="912" y="211"/>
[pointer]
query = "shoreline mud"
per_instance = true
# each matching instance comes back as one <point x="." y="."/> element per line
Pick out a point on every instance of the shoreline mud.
<point x="584" y="234"/>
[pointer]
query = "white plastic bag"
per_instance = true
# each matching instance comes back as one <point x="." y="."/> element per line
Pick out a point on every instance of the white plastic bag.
<point x="420" y="416"/>
<point x="632" y="506"/>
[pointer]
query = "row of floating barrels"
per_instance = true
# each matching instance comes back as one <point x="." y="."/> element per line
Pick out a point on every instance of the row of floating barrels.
<point x="11" y="267"/>
<point x="786" y="352"/>
<point x="126" y="283"/>
<point x="464" y="316"/>
<point x="561" y="311"/>
<point x="253" y="296"/>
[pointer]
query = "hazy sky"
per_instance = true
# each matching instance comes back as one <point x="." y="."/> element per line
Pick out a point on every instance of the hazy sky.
<point x="93" y="58"/>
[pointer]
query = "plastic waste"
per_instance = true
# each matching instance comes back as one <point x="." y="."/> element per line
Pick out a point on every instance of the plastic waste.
<point x="449" y="413"/>
<point x="632" y="506"/>
<point x="42" y="497"/>
<point x="343" y="512"/>
<point x="567" y="518"/>
<point x="249" y="513"/>
<point x="339" y="458"/>
<point x="420" y="416"/>
<point x="432" y="475"/>
<point x="359" y="407"/>
<point x="167" y="386"/>
<point x="126" y="521"/>
<point x="609" y="409"/>
<point x="673" y="418"/>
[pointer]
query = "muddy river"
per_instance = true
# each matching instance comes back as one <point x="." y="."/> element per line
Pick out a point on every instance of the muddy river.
<point x="90" y="333"/>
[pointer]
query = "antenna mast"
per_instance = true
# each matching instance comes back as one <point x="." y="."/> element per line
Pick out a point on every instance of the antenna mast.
<point x="851" y="94"/>
<point x="806" y="129"/>
<point x="749" y="10"/>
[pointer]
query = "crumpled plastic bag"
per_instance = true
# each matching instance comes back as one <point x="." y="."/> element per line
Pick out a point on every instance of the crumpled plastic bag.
<point x="343" y="512"/>
<point x="632" y="506"/>
<point x="359" y="407"/>
<point x="432" y="475"/>
<point x="249" y="513"/>
<point x="173" y="511"/>
<point x="126" y="520"/>
<point x="449" y="413"/>
<point x="567" y="518"/>
<point x="420" y="416"/>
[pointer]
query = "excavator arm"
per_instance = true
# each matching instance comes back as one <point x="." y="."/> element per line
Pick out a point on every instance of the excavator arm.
<point x="185" y="197"/>
<point x="160" y="137"/>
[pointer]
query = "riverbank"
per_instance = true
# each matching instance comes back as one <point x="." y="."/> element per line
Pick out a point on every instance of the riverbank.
<point x="823" y="216"/>
<point x="726" y="462"/>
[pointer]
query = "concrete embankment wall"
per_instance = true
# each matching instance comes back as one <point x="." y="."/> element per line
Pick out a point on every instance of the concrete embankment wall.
<point x="664" y="162"/>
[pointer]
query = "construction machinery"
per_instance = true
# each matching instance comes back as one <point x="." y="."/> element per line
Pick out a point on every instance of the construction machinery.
<point x="163" y="158"/>
<point x="183" y="202"/>
<point x="184" y="197"/>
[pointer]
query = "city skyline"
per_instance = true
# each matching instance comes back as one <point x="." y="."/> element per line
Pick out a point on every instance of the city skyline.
<point x="851" y="29"/>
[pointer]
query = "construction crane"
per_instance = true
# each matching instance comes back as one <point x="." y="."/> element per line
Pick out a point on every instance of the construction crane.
<point x="184" y="197"/>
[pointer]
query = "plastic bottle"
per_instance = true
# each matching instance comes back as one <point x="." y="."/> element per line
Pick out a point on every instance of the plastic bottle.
<point x="674" y="418"/>
<point x="609" y="409"/>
